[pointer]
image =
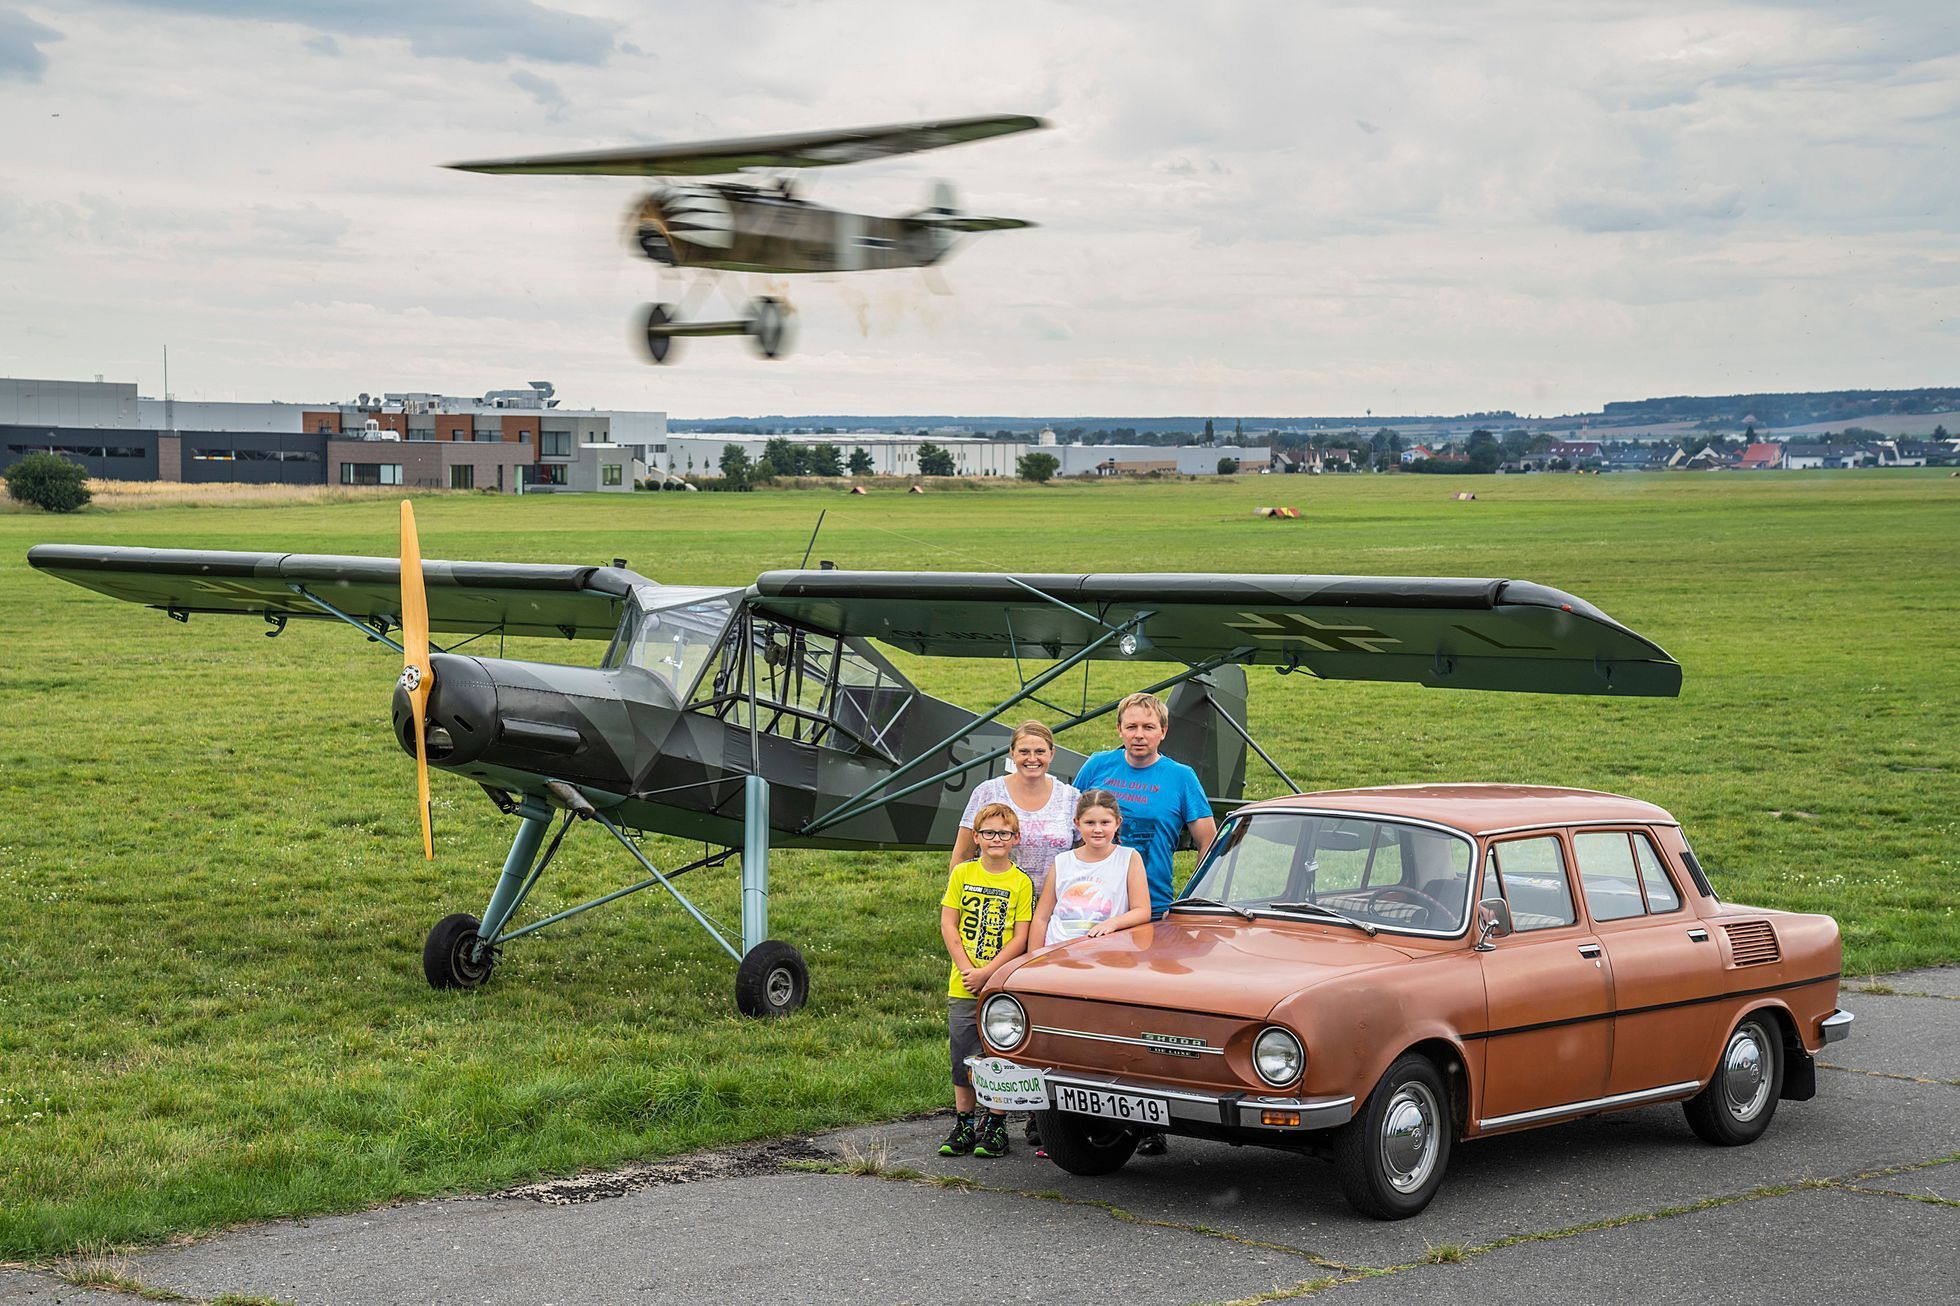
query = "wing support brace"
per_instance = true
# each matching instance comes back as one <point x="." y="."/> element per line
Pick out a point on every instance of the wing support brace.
<point x="862" y="800"/>
<point x="370" y="631"/>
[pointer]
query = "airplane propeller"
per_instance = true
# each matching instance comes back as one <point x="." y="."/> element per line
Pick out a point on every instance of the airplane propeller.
<point x="418" y="676"/>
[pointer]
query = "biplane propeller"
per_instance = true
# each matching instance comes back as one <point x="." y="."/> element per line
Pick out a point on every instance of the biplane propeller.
<point x="765" y="714"/>
<point x="705" y="228"/>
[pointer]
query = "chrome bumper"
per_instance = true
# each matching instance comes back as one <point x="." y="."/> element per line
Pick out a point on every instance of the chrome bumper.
<point x="1835" y="1026"/>
<point x="1232" y="1110"/>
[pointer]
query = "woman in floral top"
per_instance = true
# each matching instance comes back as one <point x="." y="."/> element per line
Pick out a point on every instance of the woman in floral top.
<point x="1045" y="805"/>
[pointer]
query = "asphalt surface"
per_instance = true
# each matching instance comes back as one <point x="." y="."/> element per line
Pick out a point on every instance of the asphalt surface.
<point x="1852" y="1197"/>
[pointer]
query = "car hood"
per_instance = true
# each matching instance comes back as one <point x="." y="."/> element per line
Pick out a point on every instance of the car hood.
<point x="1220" y="965"/>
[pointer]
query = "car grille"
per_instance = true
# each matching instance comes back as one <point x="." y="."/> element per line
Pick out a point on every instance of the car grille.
<point x="1144" y="1042"/>
<point x="1753" y="943"/>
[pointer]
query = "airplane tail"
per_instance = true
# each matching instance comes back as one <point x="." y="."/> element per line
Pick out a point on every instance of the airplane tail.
<point x="947" y="224"/>
<point x="1201" y="733"/>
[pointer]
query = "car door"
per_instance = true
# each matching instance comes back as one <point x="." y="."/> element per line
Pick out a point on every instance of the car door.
<point x="1664" y="968"/>
<point x="1547" y="989"/>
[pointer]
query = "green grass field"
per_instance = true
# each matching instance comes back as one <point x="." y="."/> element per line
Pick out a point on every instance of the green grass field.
<point x="211" y="1002"/>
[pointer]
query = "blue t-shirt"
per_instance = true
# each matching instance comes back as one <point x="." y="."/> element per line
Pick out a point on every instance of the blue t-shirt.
<point x="1158" y="800"/>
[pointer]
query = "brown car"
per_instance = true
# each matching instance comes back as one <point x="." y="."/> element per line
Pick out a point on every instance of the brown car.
<point x="1374" y="974"/>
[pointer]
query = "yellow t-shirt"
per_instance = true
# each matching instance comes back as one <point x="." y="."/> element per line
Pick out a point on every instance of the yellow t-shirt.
<point x="990" y="906"/>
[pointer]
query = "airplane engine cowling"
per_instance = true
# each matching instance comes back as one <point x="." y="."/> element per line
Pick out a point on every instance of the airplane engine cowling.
<point x="462" y="712"/>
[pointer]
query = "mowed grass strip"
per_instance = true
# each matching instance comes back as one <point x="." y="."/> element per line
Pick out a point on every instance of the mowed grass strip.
<point x="211" y="1002"/>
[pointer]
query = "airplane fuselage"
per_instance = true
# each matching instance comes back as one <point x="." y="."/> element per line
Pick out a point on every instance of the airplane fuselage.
<point x="732" y="227"/>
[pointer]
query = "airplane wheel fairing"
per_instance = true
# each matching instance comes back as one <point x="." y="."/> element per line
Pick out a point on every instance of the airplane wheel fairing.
<point x="772" y="981"/>
<point x="769" y="326"/>
<point x="658" y="344"/>
<point x="446" y="958"/>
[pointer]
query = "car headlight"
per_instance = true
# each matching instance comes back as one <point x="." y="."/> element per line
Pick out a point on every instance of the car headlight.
<point x="1278" y="1057"/>
<point x="1003" y="1022"/>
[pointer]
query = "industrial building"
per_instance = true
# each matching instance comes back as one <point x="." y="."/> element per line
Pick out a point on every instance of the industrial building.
<point x="508" y="440"/>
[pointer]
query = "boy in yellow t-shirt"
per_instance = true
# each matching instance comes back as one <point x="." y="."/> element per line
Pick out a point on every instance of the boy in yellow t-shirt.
<point x="984" y="921"/>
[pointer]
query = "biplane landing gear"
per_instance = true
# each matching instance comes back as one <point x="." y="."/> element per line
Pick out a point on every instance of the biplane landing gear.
<point x="451" y="958"/>
<point x="766" y="323"/>
<point x="769" y="326"/>
<point x="771" y="981"/>
<point x="659" y="343"/>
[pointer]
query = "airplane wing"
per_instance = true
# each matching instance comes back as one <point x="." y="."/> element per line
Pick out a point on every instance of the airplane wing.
<point x="794" y="150"/>
<point x="1441" y="632"/>
<point x="464" y="597"/>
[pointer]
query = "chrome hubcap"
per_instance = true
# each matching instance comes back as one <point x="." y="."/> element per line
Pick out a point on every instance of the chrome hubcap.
<point x="781" y="986"/>
<point x="1409" y="1139"/>
<point x="1745" y="1073"/>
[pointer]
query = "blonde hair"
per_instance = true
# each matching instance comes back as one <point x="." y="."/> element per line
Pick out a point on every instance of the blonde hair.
<point x="1095" y="798"/>
<point x="996" y="810"/>
<point x="1035" y="728"/>
<point x="1150" y="701"/>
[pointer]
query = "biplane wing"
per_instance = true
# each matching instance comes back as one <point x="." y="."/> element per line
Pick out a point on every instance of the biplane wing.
<point x="464" y="597"/>
<point x="1437" y="631"/>
<point x="793" y="150"/>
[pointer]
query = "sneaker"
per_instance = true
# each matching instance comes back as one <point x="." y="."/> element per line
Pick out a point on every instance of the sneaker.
<point x="961" y="1140"/>
<point x="1151" y="1144"/>
<point x="992" y="1139"/>
<point x="1033" y="1133"/>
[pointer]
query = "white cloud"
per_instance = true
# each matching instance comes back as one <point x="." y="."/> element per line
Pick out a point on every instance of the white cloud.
<point x="21" y="39"/>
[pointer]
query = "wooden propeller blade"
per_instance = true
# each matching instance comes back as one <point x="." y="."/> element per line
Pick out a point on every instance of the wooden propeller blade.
<point x="417" y="674"/>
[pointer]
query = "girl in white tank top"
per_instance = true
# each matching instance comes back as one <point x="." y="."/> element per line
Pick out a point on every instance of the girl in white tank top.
<point x="1091" y="890"/>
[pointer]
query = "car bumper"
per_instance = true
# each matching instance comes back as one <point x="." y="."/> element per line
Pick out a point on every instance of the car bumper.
<point x="1267" y="1113"/>
<point x="1835" y="1026"/>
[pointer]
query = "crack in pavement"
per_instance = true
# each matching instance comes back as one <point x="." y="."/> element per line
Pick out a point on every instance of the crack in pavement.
<point x="1887" y="991"/>
<point x="1887" y="1074"/>
<point x="742" y="1162"/>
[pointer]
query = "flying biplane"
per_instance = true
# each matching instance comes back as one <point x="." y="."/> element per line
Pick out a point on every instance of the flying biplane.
<point x="706" y="228"/>
<point x="760" y="715"/>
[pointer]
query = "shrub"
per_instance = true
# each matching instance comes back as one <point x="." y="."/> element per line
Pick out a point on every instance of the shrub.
<point x="1227" y="466"/>
<point x="49" y="482"/>
<point x="1037" y="467"/>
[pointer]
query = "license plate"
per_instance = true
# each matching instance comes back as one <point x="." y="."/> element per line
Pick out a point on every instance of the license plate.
<point x="1115" y="1106"/>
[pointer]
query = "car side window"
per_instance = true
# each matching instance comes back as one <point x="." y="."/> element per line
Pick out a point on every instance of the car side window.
<point x="1661" y="894"/>
<point x="1530" y="875"/>
<point x="1607" y="871"/>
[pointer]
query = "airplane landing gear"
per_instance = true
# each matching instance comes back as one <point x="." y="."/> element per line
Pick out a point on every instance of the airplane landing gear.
<point x="771" y="981"/>
<point x="452" y="957"/>
<point x="769" y="326"/>
<point x="766" y="322"/>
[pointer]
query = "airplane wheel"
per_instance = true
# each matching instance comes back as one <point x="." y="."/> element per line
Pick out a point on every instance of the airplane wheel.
<point x="658" y="344"/>
<point x="446" y="956"/>
<point x="769" y="326"/>
<point x="772" y="981"/>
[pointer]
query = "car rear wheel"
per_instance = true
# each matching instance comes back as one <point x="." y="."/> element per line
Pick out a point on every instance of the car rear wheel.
<point x="1085" y="1145"/>
<point x="1390" y="1159"/>
<point x="1739" y="1100"/>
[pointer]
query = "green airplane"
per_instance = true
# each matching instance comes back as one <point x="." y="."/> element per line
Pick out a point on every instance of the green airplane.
<point x="746" y="717"/>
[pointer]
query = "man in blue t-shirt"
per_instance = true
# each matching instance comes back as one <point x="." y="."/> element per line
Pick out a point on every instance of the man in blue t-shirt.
<point x="1161" y="797"/>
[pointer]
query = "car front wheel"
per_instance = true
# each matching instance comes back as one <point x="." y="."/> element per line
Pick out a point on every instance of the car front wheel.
<point x="1085" y="1145"/>
<point x="1390" y="1159"/>
<point x="1739" y="1100"/>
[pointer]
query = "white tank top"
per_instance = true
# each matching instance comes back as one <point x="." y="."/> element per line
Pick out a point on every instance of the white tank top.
<point x="1088" y="893"/>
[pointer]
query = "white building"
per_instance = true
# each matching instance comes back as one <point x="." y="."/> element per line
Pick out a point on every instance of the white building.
<point x="698" y="454"/>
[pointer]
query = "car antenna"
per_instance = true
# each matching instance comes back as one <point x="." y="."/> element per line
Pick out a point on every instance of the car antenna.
<point x="813" y="541"/>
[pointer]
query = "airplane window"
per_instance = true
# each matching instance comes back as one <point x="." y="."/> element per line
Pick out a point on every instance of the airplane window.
<point x="675" y="642"/>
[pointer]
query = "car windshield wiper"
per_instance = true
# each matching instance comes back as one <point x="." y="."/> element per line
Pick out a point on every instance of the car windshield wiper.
<point x="1317" y="909"/>
<point x="1211" y="902"/>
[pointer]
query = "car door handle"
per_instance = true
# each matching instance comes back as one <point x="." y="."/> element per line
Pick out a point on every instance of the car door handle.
<point x="1589" y="950"/>
<point x="1698" y="935"/>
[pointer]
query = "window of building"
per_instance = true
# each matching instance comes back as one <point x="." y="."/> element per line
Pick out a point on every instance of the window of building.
<point x="556" y="444"/>
<point x="543" y="474"/>
<point x="80" y="450"/>
<point x="462" y="477"/>
<point x="487" y="437"/>
<point x="609" y="474"/>
<point x="370" y="473"/>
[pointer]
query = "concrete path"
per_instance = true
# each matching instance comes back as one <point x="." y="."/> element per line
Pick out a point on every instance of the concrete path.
<point x="1852" y="1197"/>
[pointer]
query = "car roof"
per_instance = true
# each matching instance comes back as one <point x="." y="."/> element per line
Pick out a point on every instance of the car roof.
<point x="1480" y="808"/>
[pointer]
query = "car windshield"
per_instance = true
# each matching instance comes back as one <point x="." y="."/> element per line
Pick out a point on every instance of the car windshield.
<point x="1376" y="873"/>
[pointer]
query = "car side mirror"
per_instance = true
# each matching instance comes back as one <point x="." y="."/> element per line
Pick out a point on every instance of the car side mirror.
<point x="1493" y="922"/>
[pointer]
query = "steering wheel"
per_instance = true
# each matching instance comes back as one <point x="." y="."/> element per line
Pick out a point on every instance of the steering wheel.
<point x="1403" y="893"/>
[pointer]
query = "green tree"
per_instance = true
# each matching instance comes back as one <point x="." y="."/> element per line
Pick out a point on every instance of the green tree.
<point x="788" y="459"/>
<point x="736" y="469"/>
<point x="860" y="462"/>
<point x="1226" y="466"/>
<point x="825" y="460"/>
<point x="1210" y="436"/>
<point x="48" y="481"/>
<point x="935" y="461"/>
<point x="1037" y="467"/>
<point x="1238" y="430"/>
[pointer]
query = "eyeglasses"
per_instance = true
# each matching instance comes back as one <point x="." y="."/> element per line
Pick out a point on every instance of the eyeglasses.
<point x="997" y="834"/>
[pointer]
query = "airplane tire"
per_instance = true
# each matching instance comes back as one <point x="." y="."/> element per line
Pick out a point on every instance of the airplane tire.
<point x="769" y="326"/>
<point x="446" y="955"/>
<point x="657" y="344"/>
<point x="772" y="981"/>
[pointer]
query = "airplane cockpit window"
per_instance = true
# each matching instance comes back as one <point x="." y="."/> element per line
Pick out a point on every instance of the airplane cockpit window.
<point x="806" y="685"/>
<point x="672" y="633"/>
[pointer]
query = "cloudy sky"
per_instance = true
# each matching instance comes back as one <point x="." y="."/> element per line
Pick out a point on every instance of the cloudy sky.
<point x="1258" y="208"/>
